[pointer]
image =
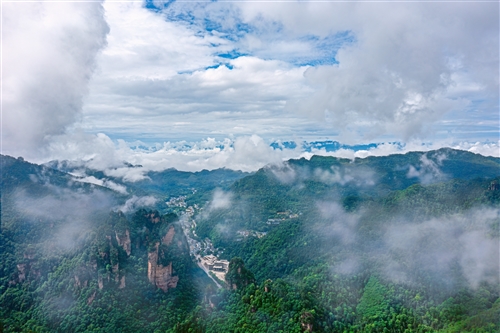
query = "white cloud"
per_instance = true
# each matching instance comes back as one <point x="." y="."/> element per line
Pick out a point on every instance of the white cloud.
<point x="48" y="58"/>
<point x="433" y="247"/>
<point x="358" y="176"/>
<point x="405" y="69"/>
<point x="465" y="239"/>
<point x="486" y="149"/>
<point x="70" y="213"/>
<point x="220" y="200"/>
<point x="428" y="171"/>
<point x="99" y="152"/>
<point x="156" y="80"/>
<point x="103" y="182"/>
<point x="136" y="202"/>
<point x="246" y="153"/>
<point x="284" y="173"/>
<point x="410" y="64"/>
<point x="388" y="148"/>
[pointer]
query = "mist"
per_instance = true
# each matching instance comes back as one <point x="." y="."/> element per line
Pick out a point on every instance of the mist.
<point x="67" y="216"/>
<point x="452" y="250"/>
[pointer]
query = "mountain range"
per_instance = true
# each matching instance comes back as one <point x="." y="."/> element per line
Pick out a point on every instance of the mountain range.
<point x="399" y="243"/>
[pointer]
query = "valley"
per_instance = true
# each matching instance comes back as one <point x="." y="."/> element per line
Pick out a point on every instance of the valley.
<point x="198" y="249"/>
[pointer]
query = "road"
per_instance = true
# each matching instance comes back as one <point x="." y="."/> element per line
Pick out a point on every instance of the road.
<point x="185" y="221"/>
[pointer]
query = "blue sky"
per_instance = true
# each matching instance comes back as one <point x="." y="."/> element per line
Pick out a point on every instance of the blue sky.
<point x="163" y="73"/>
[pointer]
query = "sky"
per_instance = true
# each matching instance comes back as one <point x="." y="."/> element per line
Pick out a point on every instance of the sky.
<point x="203" y="85"/>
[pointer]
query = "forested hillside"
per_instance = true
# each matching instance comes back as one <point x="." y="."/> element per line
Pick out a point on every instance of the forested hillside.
<point x="72" y="262"/>
<point x="402" y="243"/>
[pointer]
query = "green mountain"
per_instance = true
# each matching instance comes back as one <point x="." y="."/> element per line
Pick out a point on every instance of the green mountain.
<point x="401" y="243"/>
<point x="72" y="262"/>
<point x="164" y="185"/>
<point x="170" y="182"/>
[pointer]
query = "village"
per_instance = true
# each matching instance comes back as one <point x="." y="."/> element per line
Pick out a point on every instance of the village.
<point x="202" y="250"/>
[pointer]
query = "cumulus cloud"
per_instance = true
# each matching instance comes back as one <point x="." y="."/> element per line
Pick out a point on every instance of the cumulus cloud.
<point x="410" y="63"/>
<point x="99" y="152"/>
<point x="486" y="149"/>
<point x="234" y="71"/>
<point x="131" y="161"/>
<point x="395" y="78"/>
<point x="48" y="59"/>
<point x="175" y="80"/>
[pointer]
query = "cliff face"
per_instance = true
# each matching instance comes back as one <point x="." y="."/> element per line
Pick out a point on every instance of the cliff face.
<point x="160" y="276"/>
<point x="124" y="241"/>
<point x="167" y="239"/>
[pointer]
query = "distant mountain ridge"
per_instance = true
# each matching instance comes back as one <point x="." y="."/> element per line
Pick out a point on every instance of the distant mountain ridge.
<point x="327" y="145"/>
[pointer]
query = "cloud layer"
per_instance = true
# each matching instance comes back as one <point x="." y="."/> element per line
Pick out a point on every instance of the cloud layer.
<point x="245" y="74"/>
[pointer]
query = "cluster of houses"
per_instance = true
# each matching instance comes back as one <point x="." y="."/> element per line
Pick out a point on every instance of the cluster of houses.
<point x="246" y="233"/>
<point x="282" y="216"/>
<point x="177" y="202"/>
<point x="212" y="263"/>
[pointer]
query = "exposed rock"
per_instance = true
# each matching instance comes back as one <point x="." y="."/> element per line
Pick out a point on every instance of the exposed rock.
<point x="124" y="241"/>
<point x="122" y="283"/>
<point x="154" y="218"/>
<point x="36" y="273"/>
<point x="91" y="298"/>
<point x="152" y="263"/>
<point x="267" y="285"/>
<point x="29" y="255"/>
<point x="160" y="276"/>
<point x="306" y="321"/>
<point x="494" y="186"/>
<point x="22" y="272"/>
<point x="77" y="281"/>
<point x="100" y="282"/>
<point x="167" y="239"/>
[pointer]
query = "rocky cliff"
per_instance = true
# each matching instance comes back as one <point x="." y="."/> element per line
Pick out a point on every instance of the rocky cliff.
<point x="159" y="275"/>
<point x="124" y="241"/>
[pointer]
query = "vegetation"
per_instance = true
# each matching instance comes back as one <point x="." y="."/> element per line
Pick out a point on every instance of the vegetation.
<point x="404" y="243"/>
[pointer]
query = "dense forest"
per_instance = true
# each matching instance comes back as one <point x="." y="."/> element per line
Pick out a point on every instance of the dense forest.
<point x="401" y="243"/>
